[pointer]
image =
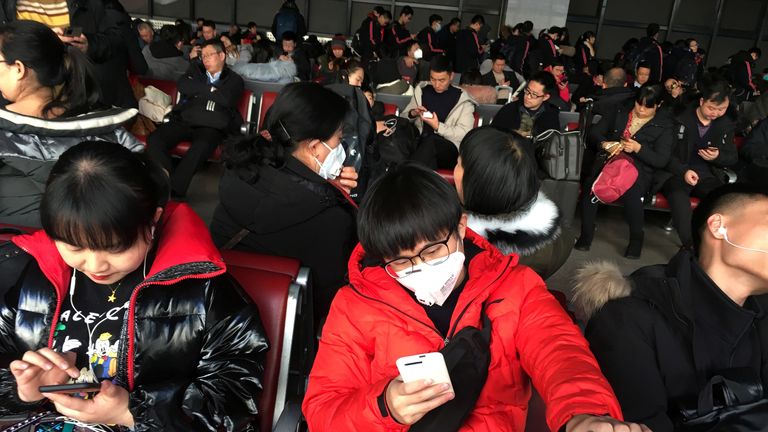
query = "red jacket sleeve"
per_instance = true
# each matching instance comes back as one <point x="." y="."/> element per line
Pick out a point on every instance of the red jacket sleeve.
<point x="340" y="396"/>
<point x="432" y="47"/>
<point x="556" y="356"/>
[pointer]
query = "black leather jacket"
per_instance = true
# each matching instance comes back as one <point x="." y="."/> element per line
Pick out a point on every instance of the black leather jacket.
<point x="192" y="346"/>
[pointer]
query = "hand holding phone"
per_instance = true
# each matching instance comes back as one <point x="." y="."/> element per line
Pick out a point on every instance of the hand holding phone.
<point x="73" y="31"/>
<point x="427" y="115"/>
<point x="39" y="368"/>
<point x="71" y="388"/>
<point x="424" y="384"/>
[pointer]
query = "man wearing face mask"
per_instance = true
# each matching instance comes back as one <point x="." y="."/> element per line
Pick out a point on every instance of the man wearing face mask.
<point x="664" y="332"/>
<point x="408" y="65"/>
<point x="427" y="37"/>
<point x="417" y="278"/>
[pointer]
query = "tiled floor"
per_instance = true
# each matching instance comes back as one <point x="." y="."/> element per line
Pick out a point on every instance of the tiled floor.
<point x="609" y="243"/>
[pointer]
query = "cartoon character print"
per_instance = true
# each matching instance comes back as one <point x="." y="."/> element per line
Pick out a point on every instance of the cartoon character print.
<point x="103" y="357"/>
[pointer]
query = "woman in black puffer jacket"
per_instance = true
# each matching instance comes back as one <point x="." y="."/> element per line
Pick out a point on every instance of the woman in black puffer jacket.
<point x="123" y="290"/>
<point x="646" y="136"/>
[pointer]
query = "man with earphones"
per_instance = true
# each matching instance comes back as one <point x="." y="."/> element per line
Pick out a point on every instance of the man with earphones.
<point x="662" y="334"/>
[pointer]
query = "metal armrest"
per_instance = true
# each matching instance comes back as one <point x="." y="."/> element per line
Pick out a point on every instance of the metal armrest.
<point x="248" y="128"/>
<point x="290" y="418"/>
<point x="731" y="175"/>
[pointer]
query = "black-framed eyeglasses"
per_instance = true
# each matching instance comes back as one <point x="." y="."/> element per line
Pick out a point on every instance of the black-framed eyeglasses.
<point x="432" y="254"/>
<point x="531" y="94"/>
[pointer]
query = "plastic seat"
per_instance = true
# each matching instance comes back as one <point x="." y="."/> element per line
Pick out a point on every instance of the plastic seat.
<point x="266" y="101"/>
<point x="277" y="298"/>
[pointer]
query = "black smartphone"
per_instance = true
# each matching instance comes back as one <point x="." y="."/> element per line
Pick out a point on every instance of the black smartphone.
<point x="73" y="31"/>
<point x="71" y="388"/>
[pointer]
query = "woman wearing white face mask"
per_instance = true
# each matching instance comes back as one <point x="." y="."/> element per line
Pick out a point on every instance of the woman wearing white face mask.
<point x="417" y="279"/>
<point x="285" y="192"/>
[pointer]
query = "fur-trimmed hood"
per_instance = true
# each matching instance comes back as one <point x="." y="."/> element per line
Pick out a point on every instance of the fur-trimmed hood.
<point x="521" y="233"/>
<point x="595" y="284"/>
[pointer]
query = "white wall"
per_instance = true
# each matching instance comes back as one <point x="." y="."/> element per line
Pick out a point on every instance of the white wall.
<point x="543" y="13"/>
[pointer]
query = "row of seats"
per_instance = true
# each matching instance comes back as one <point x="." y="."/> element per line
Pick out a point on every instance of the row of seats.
<point x="281" y="289"/>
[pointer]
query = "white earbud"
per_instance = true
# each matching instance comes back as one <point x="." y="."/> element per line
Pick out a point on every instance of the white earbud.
<point x="152" y="232"/>
<point x="722" y="231"/>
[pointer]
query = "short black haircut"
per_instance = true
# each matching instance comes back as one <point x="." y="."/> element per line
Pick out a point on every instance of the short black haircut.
<point x="435" y="17"/>
<point x="455" y="21"/>
<point x="724" y="199"/>
<point x="440" y="64"/>
<point x="644" y="65"/>
<point x="209" y="23"/>
<point x="251" y="24"/>
<point x="499" y="56"/>
<point x="715" y="90"/>
<point x="471" y="77"/>
<point x="650" y="96"/>
<point x="379" y="10"/>
<point x="500" y="173"/>
<point x="102" y="196"/>
<point x="215" y="43"/>
<point x="547" y="80"/>
<point x="755" y="50"/>
<point x="408" y="44"/>
<point x="171" y="34"/>
<point x="527" y="26"/>
<point x="406" y="10"/>
<point x="478" y="19"/>
<point x="288" y="36"/>
<point x="652" y="29"/>
<point x="200" y="19"/>
<point x="386" y="14"/>
<point x="408" y="205"/>
<point x="555" y="30"/>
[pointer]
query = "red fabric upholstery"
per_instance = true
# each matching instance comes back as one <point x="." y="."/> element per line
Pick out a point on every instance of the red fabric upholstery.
<point x="167" y="87"/>
<point x="447" y="175"/>
<point x="572" y="126"/>
<point x="477" y="119"/>
<point x="390" y="109"/>
<point x="267" y="99"/>
<point x="282" y="265"/>
<point x="243" y="107"/>
<point x="270" y="292"/>
<point x="661" y="202"/>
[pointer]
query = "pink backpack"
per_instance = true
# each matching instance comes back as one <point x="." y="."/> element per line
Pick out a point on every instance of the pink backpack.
<point x="617" y="176"/>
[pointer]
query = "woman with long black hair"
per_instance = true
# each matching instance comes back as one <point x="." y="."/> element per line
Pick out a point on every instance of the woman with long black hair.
<point x="127" y="291"/>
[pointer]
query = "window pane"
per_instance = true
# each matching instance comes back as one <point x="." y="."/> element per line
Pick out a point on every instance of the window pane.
<point x="219" y="11"/>
<point x="135" y="6"/>
<point x="261" y="12"/>
<point x="329" y="17"/>
<point x="584" y="7"/>
<point x="696" y="12"/>
<point x="172" y="9"/>
<point x="421" y="18"/>
<point x="651" y="11"/>
<point x="741" y="15"/>
<point x="491" y="20"/>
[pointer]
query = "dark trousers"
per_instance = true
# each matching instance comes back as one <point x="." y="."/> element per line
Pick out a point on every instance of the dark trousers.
<point x="678" y="193"/>
<point x="436" y="152"/>
<point x="204" y="141"/>
<point x="632" y="200"/>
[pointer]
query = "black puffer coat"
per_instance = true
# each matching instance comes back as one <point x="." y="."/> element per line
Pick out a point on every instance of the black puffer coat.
<point x="192" y="346"/>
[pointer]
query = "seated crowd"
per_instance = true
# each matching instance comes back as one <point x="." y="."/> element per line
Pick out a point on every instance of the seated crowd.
<point x="117" y="283"/>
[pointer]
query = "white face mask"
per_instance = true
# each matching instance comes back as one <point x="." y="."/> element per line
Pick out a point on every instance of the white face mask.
<point x="418" y="54"/>
<point x="432" y="284"/>
<point x="438" y="27"/>
<point x="331" y="168"/>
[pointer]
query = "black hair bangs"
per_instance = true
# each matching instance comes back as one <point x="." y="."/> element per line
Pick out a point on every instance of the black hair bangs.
<point x="409" y="205"/>
<point x="97" y="216"/>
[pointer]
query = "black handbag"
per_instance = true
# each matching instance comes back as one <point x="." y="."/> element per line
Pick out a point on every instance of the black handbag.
<point x="467" y="356"/>
<point x="732" y="401"/>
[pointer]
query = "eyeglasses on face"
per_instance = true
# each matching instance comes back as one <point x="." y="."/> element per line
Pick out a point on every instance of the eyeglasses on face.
<point x="432" y="254"/>
<point x="531" y="94"/>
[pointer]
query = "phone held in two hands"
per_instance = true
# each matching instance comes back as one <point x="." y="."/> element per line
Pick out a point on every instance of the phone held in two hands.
<point x="429" y="366"/>
<point x="73" y="31"/>
<point x="71" y="388"/>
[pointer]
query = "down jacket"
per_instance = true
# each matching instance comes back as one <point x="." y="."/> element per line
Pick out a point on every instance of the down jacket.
<point x="374" y="321"/>
<point x="192" y="346"/>
<point x="29" y="146"/>
<point x="460" y="120"/>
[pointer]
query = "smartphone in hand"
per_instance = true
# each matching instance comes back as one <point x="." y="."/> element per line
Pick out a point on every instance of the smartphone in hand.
<point x="71" y="388"/>
<point x="73" y="31"/>
<point x="424" y="366"/>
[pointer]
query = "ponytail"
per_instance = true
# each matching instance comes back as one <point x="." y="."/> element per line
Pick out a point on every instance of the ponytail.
<point x="78" y="91"/>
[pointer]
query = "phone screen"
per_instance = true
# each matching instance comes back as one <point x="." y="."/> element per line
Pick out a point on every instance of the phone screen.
<point x="71" y="388"/>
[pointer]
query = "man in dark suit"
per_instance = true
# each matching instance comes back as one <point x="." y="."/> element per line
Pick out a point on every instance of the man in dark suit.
<point x="500" y="77"/>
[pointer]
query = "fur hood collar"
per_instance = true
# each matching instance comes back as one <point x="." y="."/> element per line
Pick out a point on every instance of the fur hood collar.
<point x="595" y="284"/>
<point x="521" y="233"/>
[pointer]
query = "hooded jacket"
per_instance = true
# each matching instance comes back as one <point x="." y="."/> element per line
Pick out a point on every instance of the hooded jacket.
<point x="29" y="146"/>
<point x="190" y="331"/>
<point x="663" y="332"/>
<point x="278" y="71"/>
<point x="459" y="122"/>
<point x="164" y="61"/>
<point x="374" y="321"/>
<point x="534" y="235"/>
<point x="293" y="212"/>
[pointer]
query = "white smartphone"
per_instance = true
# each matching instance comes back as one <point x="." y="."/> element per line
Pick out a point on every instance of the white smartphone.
<point x="424" y="366"/>
<point x="427" y="114"/>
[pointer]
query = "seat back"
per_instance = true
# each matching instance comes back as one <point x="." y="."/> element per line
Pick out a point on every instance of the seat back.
<point x="567" y="117"/>
<point x="267" y="99"/>
<point x="275" y="264"/>
<point x="166" y="86"/>
<point x="245" y="105"/>
<point x="390" y="109"/>
<point x="276" y="297"/>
